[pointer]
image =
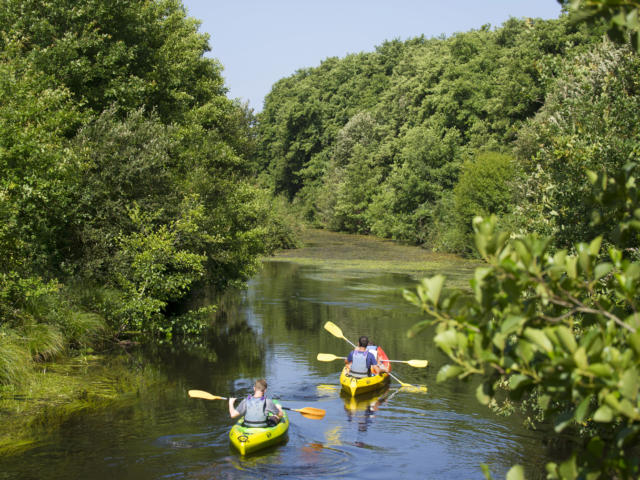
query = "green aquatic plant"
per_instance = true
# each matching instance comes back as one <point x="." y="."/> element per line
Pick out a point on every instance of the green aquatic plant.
<point x="15" y="359"/>
<point x="43" y="341"/>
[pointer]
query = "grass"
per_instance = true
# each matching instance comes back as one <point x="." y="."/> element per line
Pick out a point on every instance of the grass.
<point x="362" y="253"/>
<point x="61" y="389"/>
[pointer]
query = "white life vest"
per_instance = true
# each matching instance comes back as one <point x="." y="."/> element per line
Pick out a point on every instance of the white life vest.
<point x="374" y="350"/>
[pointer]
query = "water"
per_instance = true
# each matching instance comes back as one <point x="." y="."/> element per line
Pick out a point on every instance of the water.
<point x="274" y="330"/>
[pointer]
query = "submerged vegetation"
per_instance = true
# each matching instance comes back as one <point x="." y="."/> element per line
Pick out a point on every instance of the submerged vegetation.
<point x="366" y="253"/>
<point x="58" y="391"/>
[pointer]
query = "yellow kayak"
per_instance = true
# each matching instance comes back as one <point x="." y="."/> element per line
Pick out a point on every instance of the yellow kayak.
<point x="251" y="439"/>
<point x="357" y="386"/>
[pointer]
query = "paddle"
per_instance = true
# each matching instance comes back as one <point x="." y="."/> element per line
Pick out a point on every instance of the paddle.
<point x="328" y="357"/>
<point x="335" y="330"/>
<point x="307" y="412"/>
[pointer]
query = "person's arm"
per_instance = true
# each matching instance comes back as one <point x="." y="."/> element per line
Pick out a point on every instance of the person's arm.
<point x="233" y="413"/>
<point x="274" y="409"/>
<point x="349" y="360"/>
<point x="279" y="409"/>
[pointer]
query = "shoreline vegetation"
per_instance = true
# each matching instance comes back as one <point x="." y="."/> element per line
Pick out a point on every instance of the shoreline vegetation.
<point x="63" y="388"/>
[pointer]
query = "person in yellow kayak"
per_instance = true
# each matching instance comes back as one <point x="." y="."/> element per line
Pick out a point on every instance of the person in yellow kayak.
<point x="258" y="410"/>
<point x="361" y="362"/>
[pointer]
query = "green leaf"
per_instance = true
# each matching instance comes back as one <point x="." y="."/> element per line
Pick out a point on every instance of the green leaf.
<point x="594" y="246"/>
<point x="580" y="357"/>
<point x="634" y="341"/>
<point x="629" y="384"/>
<point x="448" y="371"/>
<point x="566" y="338"/>
<point x="499" y="340"/>
<point x="446" y="340"/>
<point x="583" y="409"/>
<point x="604" y="414"/>
<point x="512" y="323"/>
<point x="486" y="472"/>
<point x="543" y="401"/>
<point x="568" y="469"/>
<point x="516" y="473"/>
<point x="538" y="338"/>
<point x="601" y="270"/>
<point x="563" y="420"/>
<point x="525" y="350"/>
<point x="482" y="394"/>
<point x="433" y="287"/>
<point x="572" y="267"/>
<point x="518" y="381"/>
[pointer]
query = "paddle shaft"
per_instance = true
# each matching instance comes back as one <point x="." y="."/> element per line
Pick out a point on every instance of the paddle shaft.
<point x="330" y="357"/>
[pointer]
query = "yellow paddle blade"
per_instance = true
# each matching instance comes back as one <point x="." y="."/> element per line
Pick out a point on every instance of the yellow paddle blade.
<point x="408" y="386"/>
<point x="413" y="388"/>
<point x="333" y="329"/>
<point x="204" y="395"/>
<point x="418" y="363"/>
<point x="413" y="363"/>
<point x="328" y="357"/>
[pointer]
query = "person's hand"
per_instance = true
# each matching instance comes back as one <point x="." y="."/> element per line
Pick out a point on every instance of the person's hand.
<point x="232" y="400"/>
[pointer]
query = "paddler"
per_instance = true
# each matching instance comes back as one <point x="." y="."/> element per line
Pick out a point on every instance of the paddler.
<point x="258" y="410"/>
<point x="361" y="362"/>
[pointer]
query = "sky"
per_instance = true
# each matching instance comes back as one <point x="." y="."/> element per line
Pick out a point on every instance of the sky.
<point x="259" y="42"/>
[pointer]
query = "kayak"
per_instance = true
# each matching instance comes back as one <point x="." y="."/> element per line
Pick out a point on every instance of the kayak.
<point x="251" y="439"/>
<point x="358" y="386"/>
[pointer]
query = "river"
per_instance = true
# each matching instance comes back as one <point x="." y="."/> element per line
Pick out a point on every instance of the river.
<point x="273" y="329"/>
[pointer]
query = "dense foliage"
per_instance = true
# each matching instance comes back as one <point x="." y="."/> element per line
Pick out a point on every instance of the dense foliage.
<point x="125" y="177"/>
<point x="378" y="142"/>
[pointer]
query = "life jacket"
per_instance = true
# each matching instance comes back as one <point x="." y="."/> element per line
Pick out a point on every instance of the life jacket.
<point x="374" y="350"/>
<point x="256" y="415"/>
<point x="359" y="364"/>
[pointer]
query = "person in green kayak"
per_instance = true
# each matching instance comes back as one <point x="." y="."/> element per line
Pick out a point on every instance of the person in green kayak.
<point x="258" y="410"/>
<point x="361" y="362"/>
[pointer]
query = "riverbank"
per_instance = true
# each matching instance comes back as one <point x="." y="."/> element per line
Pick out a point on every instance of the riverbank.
<point x="364" y="253"/>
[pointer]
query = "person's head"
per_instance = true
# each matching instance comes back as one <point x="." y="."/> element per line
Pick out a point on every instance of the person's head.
<point x="363" y="341"/>
<point x="260" y="385"/>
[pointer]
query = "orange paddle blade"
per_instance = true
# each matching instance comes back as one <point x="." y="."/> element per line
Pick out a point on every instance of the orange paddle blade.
<point x="309" y="412"/>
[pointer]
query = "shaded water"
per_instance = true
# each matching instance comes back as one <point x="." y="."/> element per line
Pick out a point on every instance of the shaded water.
<point x="274" y="329"/>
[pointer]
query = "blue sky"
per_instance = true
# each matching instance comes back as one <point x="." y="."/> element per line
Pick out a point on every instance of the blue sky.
<point x="261" y="41"/>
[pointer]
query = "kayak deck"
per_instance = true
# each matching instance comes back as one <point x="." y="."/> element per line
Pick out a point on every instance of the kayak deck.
<point x="357" y="386"/>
